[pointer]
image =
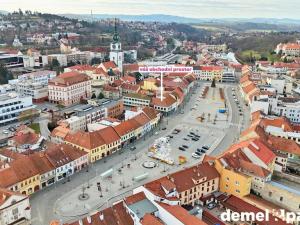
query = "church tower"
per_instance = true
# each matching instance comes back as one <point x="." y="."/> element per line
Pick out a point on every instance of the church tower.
<point x="116" y="54"/>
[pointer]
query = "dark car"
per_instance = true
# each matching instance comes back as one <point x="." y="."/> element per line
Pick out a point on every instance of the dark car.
<point x="181" y="149"/>
<point x="189" y="135"/>
<point x="197" y="136"/>
<point x="164" y="128"/>
<point x="205" y="147"/>
<point x="195" y="139"/>
<point x="198" y="153"/>
<point x="185" y="146"/>
<point x="186" y="139"/>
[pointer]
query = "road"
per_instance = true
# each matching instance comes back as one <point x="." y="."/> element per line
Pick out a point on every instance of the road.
<point x="47" y="204"/>
<point x="238" y="123"/>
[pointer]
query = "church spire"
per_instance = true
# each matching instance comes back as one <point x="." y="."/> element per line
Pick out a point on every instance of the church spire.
<point x="116" y="37"/>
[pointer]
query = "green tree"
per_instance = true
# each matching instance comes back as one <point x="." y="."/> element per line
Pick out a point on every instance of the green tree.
<point x="29" y="114"/>
<point x="213" y="83"/>
<point x="101" y="95"/>
<point x="5" y="75"/>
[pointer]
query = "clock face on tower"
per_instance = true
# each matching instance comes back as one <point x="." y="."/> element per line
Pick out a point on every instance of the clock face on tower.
<point x="113" y="46"/>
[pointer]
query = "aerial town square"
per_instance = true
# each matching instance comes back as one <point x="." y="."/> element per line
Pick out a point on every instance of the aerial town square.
<point x="149" y="112"/>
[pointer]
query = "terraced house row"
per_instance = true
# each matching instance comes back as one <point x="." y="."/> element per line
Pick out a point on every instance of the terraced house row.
<point x="27" y="174"/>
<point x="101" y="143"/>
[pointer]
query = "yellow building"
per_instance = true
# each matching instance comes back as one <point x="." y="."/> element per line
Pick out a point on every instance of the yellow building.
<point x="150" y="84"/>
<point x="98" y="144"/>
<point x="21" y="176"/>
<point x="231" y="181"/>
<point x="90" y="142"/>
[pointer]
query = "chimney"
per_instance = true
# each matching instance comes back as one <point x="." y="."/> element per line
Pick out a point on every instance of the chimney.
<point x="101" y="216"/>
<point x="89" y="219"/>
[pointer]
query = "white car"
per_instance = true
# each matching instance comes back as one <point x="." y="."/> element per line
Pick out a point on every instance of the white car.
<point x="5" y="132"/>
<point x="196" y="156"/>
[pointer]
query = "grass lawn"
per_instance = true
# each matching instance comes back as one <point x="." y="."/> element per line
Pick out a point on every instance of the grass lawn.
<point x="35" y="127"/>
<point x="249" y="53"/>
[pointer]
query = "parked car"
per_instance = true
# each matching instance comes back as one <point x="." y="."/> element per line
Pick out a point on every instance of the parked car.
<point x="186" y="139"/>
<point x="196" y="156"/>
<point x="132" y="148"/>
<point x="189" y="135"/>
<point x="164" y="128"/>
<point x="5" y="132"/>
<point x="195" y="139"/>
<point x="211" y="205"/>
<point x="181" y="148"/>
<point x="170" y="136"/>
<point x="185" y="146"/>
<point x="205" y="147"/>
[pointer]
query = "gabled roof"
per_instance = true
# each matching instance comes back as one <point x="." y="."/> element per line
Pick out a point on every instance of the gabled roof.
<point x="6" y="194"/>
<point x="166" y="102"/>
<point x="150" y="112"/>
<point x="87" y="140"/>
<point x="41" y="162"/>
<point x="284" y="145"/>
<point x="115" y="215"/>
<point x="182" y="215"/>
<point x="125" y="127"/>
<point x="69" y="78"/>
<point x="150" y="219"/>
<point x="141" y="119"/>
<point x="238" y="205"/>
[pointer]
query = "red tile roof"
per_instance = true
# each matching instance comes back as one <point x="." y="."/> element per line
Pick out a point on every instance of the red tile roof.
<point x="135" y="198"/>
<point x="238" y="205"/>
<point x="182" y="215"/>
<point x="115" y="215"/>
<point x="69" y="78"/>
<point x="6" y="194"/>
<point x="183" y="179"/>
<point x="166" y="102"/>
<point x="149" y="219"/>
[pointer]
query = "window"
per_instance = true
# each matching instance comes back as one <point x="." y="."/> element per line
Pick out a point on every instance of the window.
<point x="281" y="199"/>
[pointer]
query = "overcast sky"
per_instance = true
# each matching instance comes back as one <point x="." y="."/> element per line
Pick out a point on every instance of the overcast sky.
<point x="188" y="8"/>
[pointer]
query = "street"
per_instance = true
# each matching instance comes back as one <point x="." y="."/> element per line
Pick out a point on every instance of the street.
<point x="61" y="200"/>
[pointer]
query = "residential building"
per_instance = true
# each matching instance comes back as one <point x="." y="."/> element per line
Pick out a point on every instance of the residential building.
<point x="184" y="187"/>
<point x="69" y="88"/>
<point x="136" y="100"/>
<point x="11" y="105"/>
<point x="98" y="144"/>
<point x="14" y="208"/>
<point x="167" y="105"/>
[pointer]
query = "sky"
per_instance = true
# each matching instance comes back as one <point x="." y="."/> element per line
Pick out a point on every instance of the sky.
<point x="190" y="8"/>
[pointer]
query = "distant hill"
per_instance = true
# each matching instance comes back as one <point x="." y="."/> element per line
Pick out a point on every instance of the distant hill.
<point x="180" y="19"/>
<point x="3" y="12"/>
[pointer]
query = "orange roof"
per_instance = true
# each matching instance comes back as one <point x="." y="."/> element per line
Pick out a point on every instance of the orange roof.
<point x="131" y="67"/>
<point x="281" y="122"/>
<point x="211" y="68"/>
<point x="6" y="194"/>
<point x="115" y="215"/>
<point x="135" y="198"/>
<point x="8" y="177"/>
<point x="166" y="102"/>
<point x="60" y="131"/>
<point x="10" y="154"/>
<point x="184" y="179"/>
<point x="69" y="78"/>
<point x="182" y="215"/>
<point x="150" y="112"/>
<point x="22" y="138"/>
<point x="149" y="219"/>
<point x="41" y="162"/>
<point x="256" y="115"/>
<point x="284" y="145"/>
<point x="249" y="88"/>
<point x="24" y="168"/>
<point x="125" y="127"/>
<point x="109" y="65"/>
<point x="141" y="119"/>
<point x="253" y="169"/>
<point x="87" y="140"/>
<point x="82" y="68"/>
